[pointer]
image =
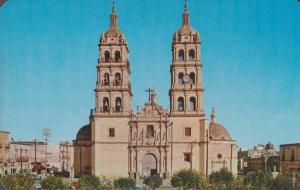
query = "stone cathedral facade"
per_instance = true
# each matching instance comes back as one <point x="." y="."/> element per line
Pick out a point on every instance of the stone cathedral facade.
<point x="118" y="142"/>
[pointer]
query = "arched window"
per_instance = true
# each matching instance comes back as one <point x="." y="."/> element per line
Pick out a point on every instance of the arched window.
<point x="180" y="104"/>
<point x="117" y="56"/>
<point x="106" y="79"/>
<point x="105" y="104"/>
<point x="150" y="131"/>
<point x="117" y="78"/>
<point x="192" y="104"/>
<point x="180" y="78"/>
<point x="181" y="55"/>
<point x="192" y="76"/>
<point x="118" y="104"/>
<point x="191" y="55"/>
<point x="107" y="56"/>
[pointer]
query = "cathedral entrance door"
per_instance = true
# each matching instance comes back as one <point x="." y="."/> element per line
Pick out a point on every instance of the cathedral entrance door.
<point x="149" y="165"/>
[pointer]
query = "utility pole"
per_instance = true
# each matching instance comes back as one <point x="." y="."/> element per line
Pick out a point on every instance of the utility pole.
<point x="35" y="166"/>
<point x="266" y="161"/>
<point x="206" y="169"/>
<point x="47" y="134"/>
<point x="21" y="159"/>
<point x="68" y="168"/>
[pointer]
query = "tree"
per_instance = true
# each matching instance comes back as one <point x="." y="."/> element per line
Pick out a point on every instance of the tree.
<point x="106" y="187"/>
<point x="22" y="182"/>
<point x="186" y="179"/>
<point x="153" y="181"/>
<point x="259" y="180"/>
<point x="282" y="182"/>
<point x="124" y="183"/>
<point x="54" y="183"/>
<point x="223" y="177"/>
<point x="88" y="182"/>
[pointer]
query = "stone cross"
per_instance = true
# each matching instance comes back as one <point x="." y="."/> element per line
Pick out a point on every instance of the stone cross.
<point x="149" y="90"/>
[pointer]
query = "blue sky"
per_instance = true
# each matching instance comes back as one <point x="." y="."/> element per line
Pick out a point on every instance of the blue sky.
<point x="250" y="53"/>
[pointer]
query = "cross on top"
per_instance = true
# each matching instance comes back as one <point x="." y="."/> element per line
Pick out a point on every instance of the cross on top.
<point x="150" y="91"/>
<point x="185" y="4"/>
<point x="114" y="5"/>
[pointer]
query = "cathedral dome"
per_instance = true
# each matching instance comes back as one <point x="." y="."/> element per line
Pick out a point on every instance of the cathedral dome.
<point x="84" y="133"/>
<point x="269" y="146"/>
<point x="217" y="131"/>
<point x="186" y="30"/>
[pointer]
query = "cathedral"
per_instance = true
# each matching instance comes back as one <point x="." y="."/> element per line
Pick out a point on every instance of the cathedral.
<point x="151" y="141"/>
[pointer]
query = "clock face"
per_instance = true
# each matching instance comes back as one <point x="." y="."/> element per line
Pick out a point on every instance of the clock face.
<point x="186" y="78"/>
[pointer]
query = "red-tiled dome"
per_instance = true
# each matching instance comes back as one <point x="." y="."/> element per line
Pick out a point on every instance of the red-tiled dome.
<point x="218" y="132"/>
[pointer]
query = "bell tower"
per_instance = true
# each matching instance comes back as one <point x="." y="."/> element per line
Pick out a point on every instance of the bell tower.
<point x="109" y="124"/>
<point x="113" y="89"/>
<point x="186" y="92"/>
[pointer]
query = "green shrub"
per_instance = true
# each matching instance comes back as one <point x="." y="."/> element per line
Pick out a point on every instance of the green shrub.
<point x="124" y="183"/>
<point x="259" y="180"/>
<point x="153" y="181"/>
<point x="186" y="179"/>
<point x="88" y="182"/>
<point x="282" y="182"/>
<point x="223" y="176"/>
<point x="54" y="183"/>
<point x="106" y="187"/>
<point x="21" y="182"/>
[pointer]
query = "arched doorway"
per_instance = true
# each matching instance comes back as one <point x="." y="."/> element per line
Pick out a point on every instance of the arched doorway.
<point x="149" y="165"/>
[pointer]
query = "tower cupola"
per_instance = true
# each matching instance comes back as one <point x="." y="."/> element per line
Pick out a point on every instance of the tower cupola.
<point x="186" y="33"/>
<point x="113" y="29"/>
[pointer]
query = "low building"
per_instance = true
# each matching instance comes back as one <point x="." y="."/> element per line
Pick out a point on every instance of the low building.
<point x="260" y="158"/>
<point x="34" y="156"/>
<point x="4" y="152"/>
<point x="270" y="164"/>
<point x="66" y="157"/>
<point x="19" y="158"/>
<point x="289" y="157"/>
<point x="25" y="155"/>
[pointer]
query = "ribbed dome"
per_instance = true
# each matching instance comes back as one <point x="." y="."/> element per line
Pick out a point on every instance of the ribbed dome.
<point x="269" y="146"/>
<point x="84" y="133"/>
<point x="186" y="30"/>
<point x="218" y="132"/>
